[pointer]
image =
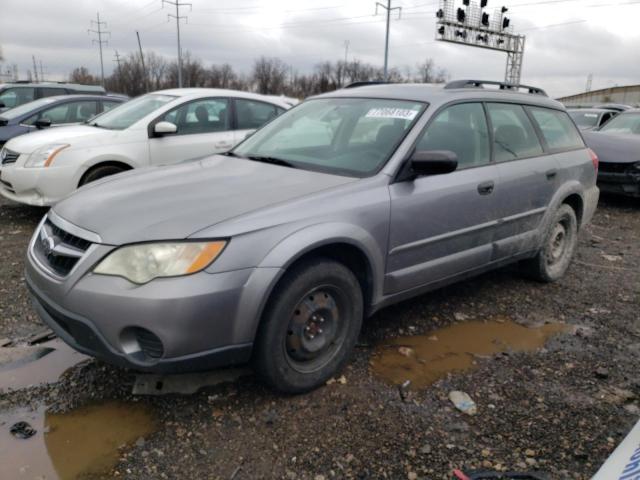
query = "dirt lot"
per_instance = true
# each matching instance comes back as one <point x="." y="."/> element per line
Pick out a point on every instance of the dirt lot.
<point x="560" y="410"/>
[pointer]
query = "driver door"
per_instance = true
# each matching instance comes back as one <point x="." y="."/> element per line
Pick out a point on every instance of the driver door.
<point x="203" y="128"/>
<point x="443" y="225"/>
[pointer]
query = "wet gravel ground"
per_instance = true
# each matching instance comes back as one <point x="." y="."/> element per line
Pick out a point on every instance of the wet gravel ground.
<point x="560" y="411"/>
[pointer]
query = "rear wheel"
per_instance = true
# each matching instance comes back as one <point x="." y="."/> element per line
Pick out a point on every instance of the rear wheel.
<point x="310" y="326"/>
<point x="101" y="171"/>
<point x="560" y="244"/>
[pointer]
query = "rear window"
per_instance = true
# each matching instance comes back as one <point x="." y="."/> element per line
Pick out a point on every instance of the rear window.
<point x="557" y="129"/>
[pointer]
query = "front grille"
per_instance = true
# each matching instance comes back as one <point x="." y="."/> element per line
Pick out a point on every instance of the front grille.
<point x="606" y="167"/>
<point x="149" y="343"/>
<point x="8" y="156"/>
<point x="57" y="249"/>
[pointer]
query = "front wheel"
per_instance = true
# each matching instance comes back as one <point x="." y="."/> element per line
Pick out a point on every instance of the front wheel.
<point x="101" y="171"/>
<point x="310" y="326"/>
<point x="560" y="244"/>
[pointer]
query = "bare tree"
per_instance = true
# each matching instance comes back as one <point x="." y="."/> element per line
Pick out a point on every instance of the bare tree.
<point x="83" y="76"/>
<point x="270" y="75"/>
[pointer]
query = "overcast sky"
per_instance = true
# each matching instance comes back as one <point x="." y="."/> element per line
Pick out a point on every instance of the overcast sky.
<point x="566" y="39"/>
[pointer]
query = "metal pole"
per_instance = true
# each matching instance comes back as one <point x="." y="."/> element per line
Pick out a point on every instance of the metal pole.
<point x="179" y="49"/>
<point x="100" y="44"/>
<point x="386" y="43"/>
<point x="144" y="69"/>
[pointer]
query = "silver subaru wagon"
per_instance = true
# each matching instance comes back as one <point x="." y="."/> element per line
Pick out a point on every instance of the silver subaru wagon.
<point x="274" y="253"/>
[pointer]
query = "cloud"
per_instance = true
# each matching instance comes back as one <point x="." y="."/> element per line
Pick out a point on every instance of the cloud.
<point x="303" y="34"/>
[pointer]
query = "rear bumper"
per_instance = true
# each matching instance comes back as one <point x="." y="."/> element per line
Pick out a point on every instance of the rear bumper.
<point x="83" y="336"/>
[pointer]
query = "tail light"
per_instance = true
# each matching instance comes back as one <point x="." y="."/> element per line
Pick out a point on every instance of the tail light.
<point x="594" y="159"/>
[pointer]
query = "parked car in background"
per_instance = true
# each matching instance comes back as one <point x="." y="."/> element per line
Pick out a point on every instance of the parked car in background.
<point x="591" y="118"/>
<point x="617" y="144"/>
<point x="160" y="128"/>
<point x="15" y="94"/>
<point x="276" y="252"/>
<point x="53" y="112"/>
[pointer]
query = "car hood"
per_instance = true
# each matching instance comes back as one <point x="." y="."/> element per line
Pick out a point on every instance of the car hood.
<point x="170" y="203"/>
<point x="33" y="141"/>
<point x="613" y="148"/>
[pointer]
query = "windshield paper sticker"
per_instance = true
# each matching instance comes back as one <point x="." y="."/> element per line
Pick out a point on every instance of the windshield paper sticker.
<point x="632" y="469"/>
<point x="401" y="113"/>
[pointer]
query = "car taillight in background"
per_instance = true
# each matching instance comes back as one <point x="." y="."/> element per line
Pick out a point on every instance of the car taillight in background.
<point x="594" y="159"/>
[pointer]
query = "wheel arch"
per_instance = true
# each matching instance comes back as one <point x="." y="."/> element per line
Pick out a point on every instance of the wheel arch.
<point x="104" y="163"/>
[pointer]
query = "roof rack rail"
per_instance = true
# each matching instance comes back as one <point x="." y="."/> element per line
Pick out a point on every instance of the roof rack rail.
<point x="364" y="84"/>
<point x="501" y="85"/>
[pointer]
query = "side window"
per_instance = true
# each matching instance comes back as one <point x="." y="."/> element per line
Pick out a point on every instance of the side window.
<point x="60" y="114"/>
<point x="461" y="129"/>
<point x="605" y="118"/>
<point x="513" y="134"/>
<point x="201" y="116"/>
<point x="83" y="111"/>
<point x="12" y="97"/>
<point x="252" y="114"/>
<point x="106" y="106"/>
<point x="50" y="92"/>
<point x="557" y="129"/>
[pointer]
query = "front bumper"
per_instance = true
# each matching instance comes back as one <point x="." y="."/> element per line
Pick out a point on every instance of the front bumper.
<point x="37" y="186"/>
<point x="201" y="321"/>
<point x="622" y="183"/>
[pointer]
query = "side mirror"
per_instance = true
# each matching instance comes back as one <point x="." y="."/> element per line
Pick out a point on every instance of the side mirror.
<point x="433" y="162"/>
<point x="42" y="123"/>
<point x="164" y="128"/>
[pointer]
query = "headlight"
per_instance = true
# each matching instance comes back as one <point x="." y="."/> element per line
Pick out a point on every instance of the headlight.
<point x="43" y="157"/>
<point x="144" y="262"/>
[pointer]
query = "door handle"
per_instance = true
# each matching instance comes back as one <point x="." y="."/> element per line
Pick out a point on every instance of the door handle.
<point x="551" y="174"/>
<point x="486" y="188"/>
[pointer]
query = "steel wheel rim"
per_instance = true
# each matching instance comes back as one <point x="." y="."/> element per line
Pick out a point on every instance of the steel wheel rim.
<point x="316" y="329"/>
<point x="558" y="243"/>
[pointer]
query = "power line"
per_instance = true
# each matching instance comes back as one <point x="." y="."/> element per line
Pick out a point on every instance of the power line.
<point x="100" y="32"/>
<point x="177" y="16"/>
<point x="389" y="9"/>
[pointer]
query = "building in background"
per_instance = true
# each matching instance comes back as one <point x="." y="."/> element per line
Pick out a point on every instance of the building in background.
<point x="629" y="95"/>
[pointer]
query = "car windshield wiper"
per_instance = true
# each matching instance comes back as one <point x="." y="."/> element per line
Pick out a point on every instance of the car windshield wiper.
<point x="271" y="160"/>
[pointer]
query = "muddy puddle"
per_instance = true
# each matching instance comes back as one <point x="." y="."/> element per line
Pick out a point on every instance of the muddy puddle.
<point x="22" y="367"/>
<point x="426" y="358"/>
<point x="66" y="446"/>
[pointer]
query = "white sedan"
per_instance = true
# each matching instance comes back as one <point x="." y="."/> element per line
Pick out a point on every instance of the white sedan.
<point x="159" y="128"/>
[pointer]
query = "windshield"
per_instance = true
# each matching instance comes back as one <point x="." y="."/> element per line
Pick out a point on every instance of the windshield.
<point x="26" y="108"/>
<point x="626" y="123"/>
<point x="585" y="119"/>
<point x="127" y="114"/>
<point x="351" y="136"/>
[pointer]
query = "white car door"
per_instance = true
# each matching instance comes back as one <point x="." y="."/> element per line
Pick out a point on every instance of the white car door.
<point x="251" y="115"/>
<point x="203" y="127"/>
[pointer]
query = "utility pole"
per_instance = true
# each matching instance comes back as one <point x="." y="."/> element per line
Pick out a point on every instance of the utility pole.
<point x="346" y="50"/>
<point x="589" y="82"/>
<point x="41" y="72"/>
<point x="177" y="16"/>
<point x="117" y="60"/>
<point x="100" y="32"/>
<point x="389" y="9"/>
<point x="144" y="70"/>
<point x="35" y="68"/>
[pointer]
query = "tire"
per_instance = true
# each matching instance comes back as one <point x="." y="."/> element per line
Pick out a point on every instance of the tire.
<point x="558" y="249"/>
<point x="101" y="171"/>
<point x="310" y="326"/>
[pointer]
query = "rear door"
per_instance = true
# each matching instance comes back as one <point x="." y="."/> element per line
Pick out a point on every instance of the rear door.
<point x="528" y="176"/>
<point x="204" y="128"/>
<point x="251" y="115"/>
<point x="443" y="225"/>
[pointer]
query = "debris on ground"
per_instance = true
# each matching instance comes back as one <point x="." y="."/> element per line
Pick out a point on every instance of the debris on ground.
<point x="463" y="402"/>
<point x="22" y="430"/>
<point x="185" y="383"/>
